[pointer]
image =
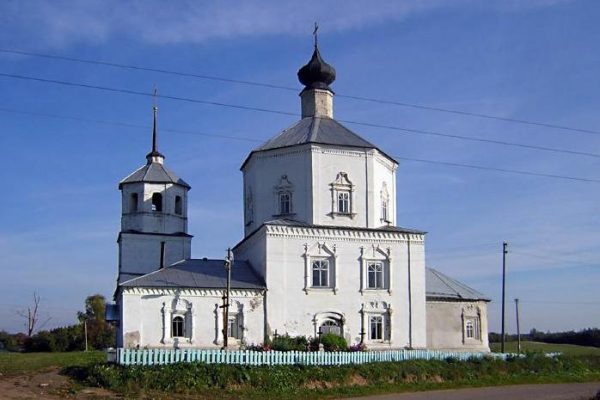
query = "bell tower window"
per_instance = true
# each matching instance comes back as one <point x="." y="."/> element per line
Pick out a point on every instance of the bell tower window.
<point x="157" y="203"/>
<point x="285" y="203"/>
<point x="133" y="202"/>
<point x="342" y="193"/>
<point x="178" y="205"/>
<point x="284" y="191"/>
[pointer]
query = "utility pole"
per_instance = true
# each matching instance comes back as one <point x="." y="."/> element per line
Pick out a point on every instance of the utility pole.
<point x="85" y="331"/>
<point x="518" y="329"/>
<point x="225" y="306"/>
<point x="504" y="251"/>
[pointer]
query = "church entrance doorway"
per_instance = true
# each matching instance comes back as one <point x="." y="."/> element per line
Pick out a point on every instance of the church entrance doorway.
<point x="331" y="326"/>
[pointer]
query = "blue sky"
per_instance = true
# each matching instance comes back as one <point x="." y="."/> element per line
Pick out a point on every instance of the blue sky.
<point x="534" y="60"/>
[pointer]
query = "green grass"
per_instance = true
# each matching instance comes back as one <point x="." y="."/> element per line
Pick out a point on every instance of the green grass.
<point x="21" y="363"/>
<point x="304" y="382"/>
<point x="567" y="349"/>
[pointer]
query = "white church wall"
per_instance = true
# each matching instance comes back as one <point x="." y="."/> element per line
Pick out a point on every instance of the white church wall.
<point x="262" y="176"/>
<point x="140" y="253"/>
<point x="296" y="308"/>
<point x="384" y="181"/>
<point x="254" y="248"/>
<point x="148" y="316"/>
<point x="446" y="325"/>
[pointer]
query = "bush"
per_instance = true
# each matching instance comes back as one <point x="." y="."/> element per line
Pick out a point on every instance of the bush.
<point x="333" y="342"/>
<point x="289" y="343"/>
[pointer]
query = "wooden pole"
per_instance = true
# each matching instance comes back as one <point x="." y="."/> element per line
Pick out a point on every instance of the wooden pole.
<point x="504" y="251"/>
<point x="85" y="330"/>
<point x="518" y="328"/>
<point x="228" y="266"/>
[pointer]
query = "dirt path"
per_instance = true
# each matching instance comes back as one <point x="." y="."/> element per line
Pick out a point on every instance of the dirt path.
<point x="560" y="391"/>
<point x="46" y="385"/>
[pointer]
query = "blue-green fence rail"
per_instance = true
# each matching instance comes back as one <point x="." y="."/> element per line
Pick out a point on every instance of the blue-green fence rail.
<point x="247" y="357"/>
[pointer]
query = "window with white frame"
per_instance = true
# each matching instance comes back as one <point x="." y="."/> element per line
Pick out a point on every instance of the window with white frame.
<point x="234" y="326"/>
<point x="385" y="204"/>
<point x="376" y="327"/>
<point x="472" y="328"/>
<point x="384" y="210"/>
<point x="320" y="273"/>
<point x="375" y="275"/>
<point x="178" y="326"/>
<point x="285" y="203"/>
<point x="284" y="191"/>
<point x="342" y="191"/>
<point x="343" y="202"/>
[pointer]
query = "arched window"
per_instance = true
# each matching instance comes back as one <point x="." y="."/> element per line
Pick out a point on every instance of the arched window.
<point x="470" y="329"/>
<point x="178" y="326"/>
<point x="133" y="202"/>
<point x="331" y="326"/>
<point x="157" y="203"/>
<point x="178" y="205"/>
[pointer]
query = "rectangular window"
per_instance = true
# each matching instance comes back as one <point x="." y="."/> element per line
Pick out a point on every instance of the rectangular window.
<point x="472" y="328"/>
<point x="285" y="203"/>
<point x="133" y="203"/>
<point x="375" y="275"/>
<point x="376" y="327"/>
<point x="178" y="205"/>
<point x="234" y="328"/>
<point x="320" y="273"/>
<point x="178" y="326"/>
<point x="344" y="203"/>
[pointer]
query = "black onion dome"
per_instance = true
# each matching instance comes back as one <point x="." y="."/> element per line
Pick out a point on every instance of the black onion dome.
<point x="317" y="74"/>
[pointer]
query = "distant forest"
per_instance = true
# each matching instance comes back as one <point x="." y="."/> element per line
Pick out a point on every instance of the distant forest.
<point x="585" y="337"/>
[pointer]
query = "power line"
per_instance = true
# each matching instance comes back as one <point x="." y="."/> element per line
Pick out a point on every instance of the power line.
<point x="279" y="112"/>
<point x="452" y="164"/>
<point x="560" y="302"/>
<point x="288" y="88"/>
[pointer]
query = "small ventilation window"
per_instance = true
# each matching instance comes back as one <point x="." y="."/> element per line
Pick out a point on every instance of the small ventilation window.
<point x="157" y="202"/>
<point x="178" y="205"/>
<point x="133" y="203"/>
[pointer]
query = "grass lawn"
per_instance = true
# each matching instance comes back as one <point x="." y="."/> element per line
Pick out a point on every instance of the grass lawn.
<point x="19" y="363"/>
<point x="567" y="349"/>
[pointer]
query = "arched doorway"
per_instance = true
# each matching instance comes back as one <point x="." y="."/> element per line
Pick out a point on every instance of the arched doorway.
<point x="331" y="326"/>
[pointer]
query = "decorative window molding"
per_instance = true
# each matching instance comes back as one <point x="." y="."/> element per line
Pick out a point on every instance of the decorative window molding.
<point x="342" y="197"/>
<point x="178" y="322"/>
<point x="376" y="321"/>
<point x="385" y="211"/>
<point x="235" y="324"/>
<point x="376" y="269"/>
<point x="249" y="207"/>
<point x="320" y="268"/>
<point x="284" y="197"/>
<point x="471" y="323"/>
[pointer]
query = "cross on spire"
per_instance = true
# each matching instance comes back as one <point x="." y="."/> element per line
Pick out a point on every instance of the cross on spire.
<point x="315" y="34"/>
<point x="154" y="111"/>
<point x="154" y="155"/>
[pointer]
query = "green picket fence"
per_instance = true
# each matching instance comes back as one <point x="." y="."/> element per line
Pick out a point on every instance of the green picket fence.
<point x="247" y="357"/>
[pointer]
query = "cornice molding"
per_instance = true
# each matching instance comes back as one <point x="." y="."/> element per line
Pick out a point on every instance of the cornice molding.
<point x="193" y="292"/>
<point x="343" y="234"/>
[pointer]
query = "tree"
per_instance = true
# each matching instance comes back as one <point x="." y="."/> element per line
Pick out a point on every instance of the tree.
<point x="100" y="333"/>
<point x="32" y="316"/>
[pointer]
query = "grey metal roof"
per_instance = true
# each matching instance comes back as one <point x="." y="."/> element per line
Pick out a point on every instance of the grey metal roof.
<point x="199" y="273"/>
<point x="316" y="130"/>
<point x="154" y="173"/>
<point x="440" y="286"/>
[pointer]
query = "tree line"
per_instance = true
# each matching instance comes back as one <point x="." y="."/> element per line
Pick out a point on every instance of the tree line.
<point x="100" y="334"/>
<point x="584" y="337"/>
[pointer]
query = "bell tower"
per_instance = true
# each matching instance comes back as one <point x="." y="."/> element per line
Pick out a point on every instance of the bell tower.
<point x="153" y="217"/>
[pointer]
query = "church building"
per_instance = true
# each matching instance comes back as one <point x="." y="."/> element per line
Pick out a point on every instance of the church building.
<point x="322" y="251"/>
